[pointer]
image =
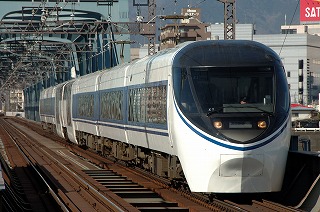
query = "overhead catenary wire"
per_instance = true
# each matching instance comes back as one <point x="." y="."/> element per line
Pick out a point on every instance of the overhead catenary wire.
<point x="286" y="35"/>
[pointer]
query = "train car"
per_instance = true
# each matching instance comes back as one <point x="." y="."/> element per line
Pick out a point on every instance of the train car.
<point x="216" y="113"/>
<point x="85" y="112"/>
<point x="47" y="108"/>
<point x="231" y="101"/>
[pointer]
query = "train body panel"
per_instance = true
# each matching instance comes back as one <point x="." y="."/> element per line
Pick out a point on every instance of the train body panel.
<point x="112" y="104"/>
<point x="47" y="106"/>
<point x="218" y="109"/>
<point x="85" y="102"/>
<point x="146" y="96"/>
<point x="158" y="73"/>
<point x="136" y="107"/>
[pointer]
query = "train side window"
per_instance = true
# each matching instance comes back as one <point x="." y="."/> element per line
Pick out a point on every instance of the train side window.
<point x="85" y="105"/>
<point x="156" y="104"/>
<point x="111" y="105"/>
<point x="137" y="105"/>
<point x="148" y="105"/>
<point x="46" y="106"/>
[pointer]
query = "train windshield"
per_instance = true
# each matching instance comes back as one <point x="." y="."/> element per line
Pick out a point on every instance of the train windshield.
<point x="208" y="92"/>
<point x="221" y="90"/>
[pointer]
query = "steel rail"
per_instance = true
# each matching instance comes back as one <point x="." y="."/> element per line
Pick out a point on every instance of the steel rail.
<point x="54" y="195"/>
<point x="87" y="187"/>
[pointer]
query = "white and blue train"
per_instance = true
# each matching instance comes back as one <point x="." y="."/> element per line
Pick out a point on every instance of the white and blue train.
<point x="214" y="112"/>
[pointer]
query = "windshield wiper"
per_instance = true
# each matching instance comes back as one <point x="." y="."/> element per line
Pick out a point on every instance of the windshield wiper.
<point x="212" y="111"/>
<point x="262" y="110"/>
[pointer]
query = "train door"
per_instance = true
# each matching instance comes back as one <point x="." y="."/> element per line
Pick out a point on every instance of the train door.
<point x="42" y="109"/>
<point x="66" y="113"/>
<point x="125" y="103"/>
<point x="135" y="128"/>
<point x="58" y="110"/>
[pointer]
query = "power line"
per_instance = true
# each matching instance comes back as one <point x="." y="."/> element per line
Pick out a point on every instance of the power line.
<point x="284" y="40"/>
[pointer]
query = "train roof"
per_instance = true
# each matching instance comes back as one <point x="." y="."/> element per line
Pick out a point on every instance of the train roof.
<point x="224" y="53"/>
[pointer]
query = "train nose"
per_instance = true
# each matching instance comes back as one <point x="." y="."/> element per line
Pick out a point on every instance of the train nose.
<point x="244" y="136"/>
<point x="241" y="166"/>
<point x="239" y="172"/>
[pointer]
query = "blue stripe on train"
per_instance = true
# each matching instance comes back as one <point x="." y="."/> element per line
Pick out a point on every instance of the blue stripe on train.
<point x="154" y="132"/>
<point x="198" y="132"/>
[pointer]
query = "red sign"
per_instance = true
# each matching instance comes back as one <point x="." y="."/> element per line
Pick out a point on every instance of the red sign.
<point x="309" y="10"/>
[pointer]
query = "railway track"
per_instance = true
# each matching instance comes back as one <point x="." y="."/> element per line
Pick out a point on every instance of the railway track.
<point x="67" y="186"/>
<point x="22" y="193"/>
<point x="138" y="190"/>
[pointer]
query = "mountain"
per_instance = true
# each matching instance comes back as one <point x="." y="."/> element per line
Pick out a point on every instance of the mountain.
<point x="267" y="15"/>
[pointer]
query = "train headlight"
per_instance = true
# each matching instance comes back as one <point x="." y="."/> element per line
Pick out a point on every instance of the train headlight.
<point x="217" y="124"/>
<point x="262" y="124"/>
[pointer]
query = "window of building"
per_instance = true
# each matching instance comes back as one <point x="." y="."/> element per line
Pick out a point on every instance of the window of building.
<point x="123" y="15"/>
<point x="295" y="114"/>
<point x="289" y="31"/>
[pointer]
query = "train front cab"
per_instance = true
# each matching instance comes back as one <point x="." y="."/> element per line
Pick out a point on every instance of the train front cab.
<point x="235" y="146"/>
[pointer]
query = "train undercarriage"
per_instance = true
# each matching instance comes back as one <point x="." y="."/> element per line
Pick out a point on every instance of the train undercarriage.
<point x="158" y="163"/>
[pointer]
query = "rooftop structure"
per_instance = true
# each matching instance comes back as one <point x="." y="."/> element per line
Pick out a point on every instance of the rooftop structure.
<point x="186" y="27"/>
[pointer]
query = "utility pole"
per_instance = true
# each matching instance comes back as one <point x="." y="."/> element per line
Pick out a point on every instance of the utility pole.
<point x="229" y="19"/>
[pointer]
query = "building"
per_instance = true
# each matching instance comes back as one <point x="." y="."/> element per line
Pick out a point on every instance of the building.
<point x="304" y="118"/>
<point x="243" y="31"/>
<point x="302" y="112"/>
<point x="294" y="47"/>
<point x="301" y="29"/>
<point x="16" y="101"/>
<point x="140" y="52"/>
<point x="186" y="27"/>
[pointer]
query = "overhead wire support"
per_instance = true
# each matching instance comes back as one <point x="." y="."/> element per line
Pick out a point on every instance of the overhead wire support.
<point x="229" y="19"/>
<point x="152" y="37"/>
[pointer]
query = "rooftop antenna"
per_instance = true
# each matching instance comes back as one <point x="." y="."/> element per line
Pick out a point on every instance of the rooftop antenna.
<point x="73" y="9"/>
<point x="175" y="6"/>
<point x="285" y="19"/>
<point x="139" y="16"/>
<point x="43" y="14"/>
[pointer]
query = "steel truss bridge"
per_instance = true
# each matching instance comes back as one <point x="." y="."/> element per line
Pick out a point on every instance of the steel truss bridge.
<point x="43" y="45"/>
